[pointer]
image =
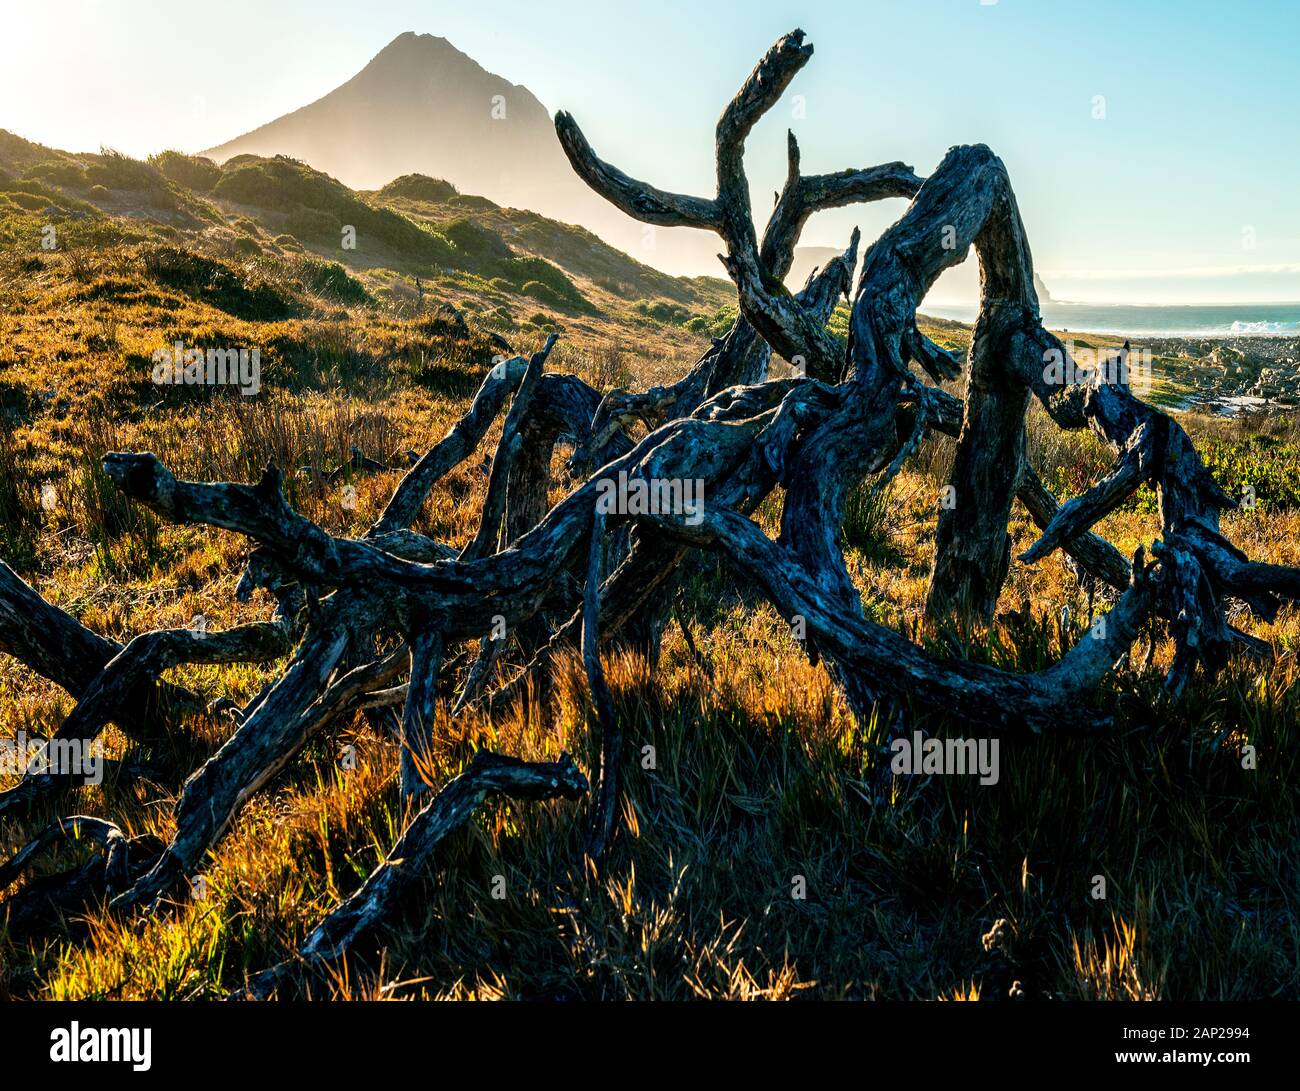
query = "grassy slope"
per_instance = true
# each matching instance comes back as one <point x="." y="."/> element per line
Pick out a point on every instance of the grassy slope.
<point x="759" y="775"/>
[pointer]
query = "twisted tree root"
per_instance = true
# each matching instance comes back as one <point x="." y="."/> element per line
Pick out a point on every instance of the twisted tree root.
<point x="848" y="413"/>
<point x="382" y="893"/>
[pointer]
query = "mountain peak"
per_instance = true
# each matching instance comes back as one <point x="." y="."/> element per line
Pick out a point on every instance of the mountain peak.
<point x="421" y="106"/>
<point x="422" y="59"/>
<point x="420" y="46"/>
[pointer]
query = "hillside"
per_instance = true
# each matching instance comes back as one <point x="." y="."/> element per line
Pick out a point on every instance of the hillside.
<point x="413" y="244"/>
<point x="421" y="106"/>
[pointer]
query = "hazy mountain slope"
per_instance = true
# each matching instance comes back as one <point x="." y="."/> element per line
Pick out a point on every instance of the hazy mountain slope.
<point x="422" y="106"/>
<point x="419" y="106"/>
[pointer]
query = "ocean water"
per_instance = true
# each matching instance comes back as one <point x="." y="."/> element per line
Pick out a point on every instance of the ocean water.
<point x="1158" y="320"/>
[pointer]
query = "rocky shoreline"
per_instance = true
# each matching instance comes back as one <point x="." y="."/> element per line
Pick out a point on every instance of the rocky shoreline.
<point x="1235" y="374"/>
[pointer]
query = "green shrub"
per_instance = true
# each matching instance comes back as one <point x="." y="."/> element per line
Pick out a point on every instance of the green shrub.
<point x="330" y="279"/>
<point x="57" y="172"/>
<point x="1266" y="463"/>
<point x="662" y="311"/>
<point x="32" y="187"/>
<point x="535" y="289"/>
<point x="475" y="242"/>
<point x="191" y="171"/>
<point x="723" y="319"/>
<point x="120" y="173"/>
<point x="540" y="279"/>
<point x="419" y="187"/>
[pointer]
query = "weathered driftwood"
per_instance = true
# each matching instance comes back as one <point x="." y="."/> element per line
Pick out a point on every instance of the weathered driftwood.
<point x="409" y="861"/>
<point x="579" y="575"/>
<point x="62" y="895"/>
<point x="602" y="826"/>
<point x="417" y="718"/>
<point x="494" y="503"/>
<point x="308" y="697"/>
<point x="60" y="648"/>
<point x="129" y="674"/>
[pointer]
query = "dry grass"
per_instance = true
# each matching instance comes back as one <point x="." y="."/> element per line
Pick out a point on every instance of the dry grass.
<point x="745" y="783"/>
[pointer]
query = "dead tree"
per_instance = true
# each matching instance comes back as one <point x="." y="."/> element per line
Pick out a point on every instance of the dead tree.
<point x="581" y="574"/>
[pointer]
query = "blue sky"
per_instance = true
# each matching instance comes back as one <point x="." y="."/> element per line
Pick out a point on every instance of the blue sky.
<point x="1185" y="191"/>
